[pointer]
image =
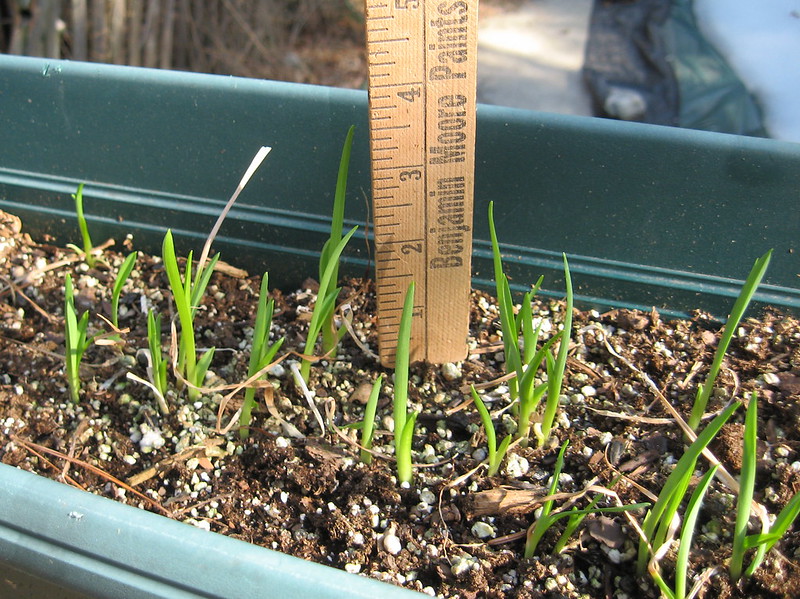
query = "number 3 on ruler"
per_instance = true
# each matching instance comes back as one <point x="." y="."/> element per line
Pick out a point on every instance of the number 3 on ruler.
<point x="422" y="58"/>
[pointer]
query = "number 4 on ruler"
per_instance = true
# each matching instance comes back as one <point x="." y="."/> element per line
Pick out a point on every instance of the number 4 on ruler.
<point x="422" y="72"/>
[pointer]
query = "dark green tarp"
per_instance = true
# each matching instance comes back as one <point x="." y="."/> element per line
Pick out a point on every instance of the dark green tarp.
<point x="649" y="58"/>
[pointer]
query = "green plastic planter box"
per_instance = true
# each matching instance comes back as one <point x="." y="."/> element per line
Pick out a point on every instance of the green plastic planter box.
<point x="649" y="216"/>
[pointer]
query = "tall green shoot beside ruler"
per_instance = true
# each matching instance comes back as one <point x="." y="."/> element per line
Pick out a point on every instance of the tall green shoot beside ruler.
<point x="422" y="57"/>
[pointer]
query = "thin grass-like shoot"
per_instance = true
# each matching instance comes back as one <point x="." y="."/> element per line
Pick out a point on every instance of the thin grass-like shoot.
<point x="326" y="303"/>
<point x="657" y="521"/>
<point x="739" y="307"/>
<point x="687" y="532"/>
<point x="76" y="340"/>
<point x="496" y="454"/>
<point x="555" y="369"/>
<point x="575" y="520"/>
<point x="403" y="421"/>
<point x="547" y="518"/>
<point x="86" y="239"/>
<point x="747" y="481"/>
<point x="368" y="424"/>
<point x="186" y="296"/>
<point x="505" y="305"/>
<point x="158" y="364"/>
<point x="531" y="394"/>
<point x="543" y="522"/>
<point x="262" y="352"/>
<point x="124" y="272"/>
<point x="685" y="543"/>
<point x="530" y="335"/>
<point x="765" y="542"/>
<point x="330" y="335"/>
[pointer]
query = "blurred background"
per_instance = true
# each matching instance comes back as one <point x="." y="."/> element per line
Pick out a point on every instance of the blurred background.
<point x="305" y="41"/>
<point x="718" y="65"/>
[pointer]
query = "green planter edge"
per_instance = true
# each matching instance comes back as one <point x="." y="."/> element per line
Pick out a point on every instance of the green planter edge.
<point x="649" y="216"/>
<point x="57" y="541"/>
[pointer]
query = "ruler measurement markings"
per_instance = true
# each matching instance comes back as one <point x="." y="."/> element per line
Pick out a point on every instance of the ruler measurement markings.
<point x="406" y="168"/>
<point x="393" y="127"/>
<point x="410" y="166"/>
<point x="385" y="85"/>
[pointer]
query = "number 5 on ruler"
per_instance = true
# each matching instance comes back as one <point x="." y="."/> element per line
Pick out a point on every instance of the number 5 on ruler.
<point x="422" y="71"/>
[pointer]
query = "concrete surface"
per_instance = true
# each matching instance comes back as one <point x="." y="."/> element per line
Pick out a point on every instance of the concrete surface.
<point x="531" y="56"/>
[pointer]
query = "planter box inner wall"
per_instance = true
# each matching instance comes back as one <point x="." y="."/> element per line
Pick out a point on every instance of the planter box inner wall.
<point x="649" y="215"/>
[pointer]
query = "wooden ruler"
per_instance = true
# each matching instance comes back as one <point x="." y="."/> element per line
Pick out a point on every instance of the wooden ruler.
<point x="422" y="58"/>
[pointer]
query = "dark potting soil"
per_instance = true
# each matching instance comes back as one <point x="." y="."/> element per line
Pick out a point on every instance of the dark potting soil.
<point x="454" y="532"/>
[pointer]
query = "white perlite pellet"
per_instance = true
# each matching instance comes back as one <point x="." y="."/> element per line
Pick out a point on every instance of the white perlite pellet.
<point x="482" y="530"/>
<point x="392" y="543"/>
<point x="516" y="466"/>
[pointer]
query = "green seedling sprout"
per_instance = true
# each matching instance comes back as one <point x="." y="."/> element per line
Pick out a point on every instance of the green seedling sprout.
<point x="555" y="369"/>
<point x="524" y="323"/>
<point x="544" y="521"/>
<point x="403" y="421"/>
<point x="368" y="424"/>
<point x="530" y="394"/>
<point x="187" y="294"/>
<point x="525" y="362"/>
<point x="76" y="340"/>
<point x="685" y="543"/>
<point x="548" y="518"/>
<point x="765" y="542"/>
<point x="262" y="352"/>
<point x="577" y="516"/>
<point x="323" y="316"/>
<point x="157" y="367"/>
<point x="658" y="520"/>
<point x="86" y="239"/>
<point x="739" y="307"/>
<point x="496" y="454"/>
<point x="330" y="335"/>
<point x="505" y="305"/>
<point x="747" y="481"/>
<point x="326" y="303"/>
<point x="124" y="272"/>
<point x="762" y="542"/>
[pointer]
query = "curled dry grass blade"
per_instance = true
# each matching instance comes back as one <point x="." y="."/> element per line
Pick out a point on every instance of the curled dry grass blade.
<point x="739" y="307"/>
